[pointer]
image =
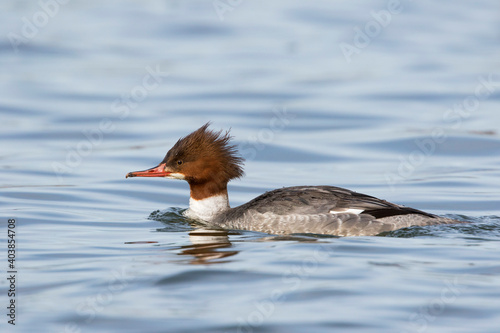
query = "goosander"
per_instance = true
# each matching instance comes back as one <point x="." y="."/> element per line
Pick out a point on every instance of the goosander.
<point x="207" y="161"/>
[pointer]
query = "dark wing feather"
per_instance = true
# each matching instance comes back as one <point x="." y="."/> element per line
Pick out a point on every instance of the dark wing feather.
<point x="323" y="199"/>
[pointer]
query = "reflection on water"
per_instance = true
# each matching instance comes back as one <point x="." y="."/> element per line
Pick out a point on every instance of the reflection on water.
<point x="206" y="247"/>
<point x="207" y="244"/>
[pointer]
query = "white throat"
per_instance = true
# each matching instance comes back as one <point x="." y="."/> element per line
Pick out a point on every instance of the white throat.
<point x="207" y="209"/>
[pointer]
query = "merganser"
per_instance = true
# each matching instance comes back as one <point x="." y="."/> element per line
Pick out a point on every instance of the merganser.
<point x="207" y="161"/>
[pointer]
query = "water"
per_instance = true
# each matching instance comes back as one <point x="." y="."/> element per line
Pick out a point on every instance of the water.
<point x="92" y="90"/>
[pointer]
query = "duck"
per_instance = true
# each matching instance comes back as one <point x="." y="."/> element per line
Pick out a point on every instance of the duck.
<point x="208" y="161"/>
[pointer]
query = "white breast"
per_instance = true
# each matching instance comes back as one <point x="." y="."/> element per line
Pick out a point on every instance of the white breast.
<point x="207" y="209"/>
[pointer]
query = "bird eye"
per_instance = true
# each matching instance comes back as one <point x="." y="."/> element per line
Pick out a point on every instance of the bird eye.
<point x="179" y="162"/>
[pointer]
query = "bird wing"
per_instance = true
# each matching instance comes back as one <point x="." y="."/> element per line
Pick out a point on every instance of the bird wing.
<point x="326" y="199"/>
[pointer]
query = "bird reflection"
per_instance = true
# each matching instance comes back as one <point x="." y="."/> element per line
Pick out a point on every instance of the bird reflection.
<point x="212" y="246"/>
<point x="207" y="245"/>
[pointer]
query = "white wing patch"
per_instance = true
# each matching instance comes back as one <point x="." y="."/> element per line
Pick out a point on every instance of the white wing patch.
<point x="347" y="211"/>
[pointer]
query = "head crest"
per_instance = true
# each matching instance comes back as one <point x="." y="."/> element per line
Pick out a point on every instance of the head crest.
<point x="213" y="147"/>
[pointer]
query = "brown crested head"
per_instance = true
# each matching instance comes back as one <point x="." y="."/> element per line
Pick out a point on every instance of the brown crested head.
<point x="205" y="156"/>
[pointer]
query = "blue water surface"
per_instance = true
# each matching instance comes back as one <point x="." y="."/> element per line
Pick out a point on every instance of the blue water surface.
<point x="399" y="100"/>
